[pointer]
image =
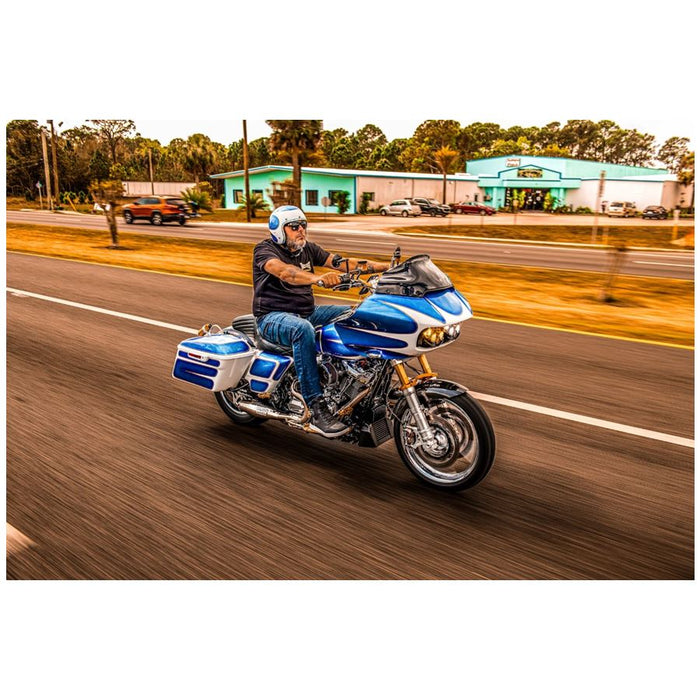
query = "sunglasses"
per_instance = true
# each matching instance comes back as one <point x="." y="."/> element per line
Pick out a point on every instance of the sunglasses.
<point x="297" y="225"/>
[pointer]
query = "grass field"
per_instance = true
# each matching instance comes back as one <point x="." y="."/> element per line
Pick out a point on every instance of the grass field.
<point x="651" y="309"/>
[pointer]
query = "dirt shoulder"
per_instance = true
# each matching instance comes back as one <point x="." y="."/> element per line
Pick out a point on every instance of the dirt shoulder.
<point x="654" y="310"/>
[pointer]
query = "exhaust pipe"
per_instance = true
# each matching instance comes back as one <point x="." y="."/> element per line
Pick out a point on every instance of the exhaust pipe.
<point x="259" y="411"/>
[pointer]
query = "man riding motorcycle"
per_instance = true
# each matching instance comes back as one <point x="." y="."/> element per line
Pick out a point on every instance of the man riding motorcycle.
<point x="284" y="268"/>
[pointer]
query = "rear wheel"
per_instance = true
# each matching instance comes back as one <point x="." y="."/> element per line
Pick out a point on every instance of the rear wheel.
<point x="404" y="213"/>
<point x="463" y="446"/>
<point x="182" y="221"/>
<point x="227" y="401"/>
<point x="156" y="218"/>
<point x="483" y="213"/>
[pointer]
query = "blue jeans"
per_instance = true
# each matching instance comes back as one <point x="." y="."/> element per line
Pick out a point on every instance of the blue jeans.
<point x="298" y="333"/>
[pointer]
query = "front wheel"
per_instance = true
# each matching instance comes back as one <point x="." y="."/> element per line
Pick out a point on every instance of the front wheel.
<point x="463" y="447"/>
<point x="229" y="406"/>
<point x="128" y="217"/>
<point x="383" y="212"/>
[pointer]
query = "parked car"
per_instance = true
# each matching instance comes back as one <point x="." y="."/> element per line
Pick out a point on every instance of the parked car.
<point x="473" y="208"/>
<point x="624" y="209"/>
<point x="400" y="207"/>
<point x="431" y="206"/>
<point x="655" y="211"/>
<point x="157" y="210"/>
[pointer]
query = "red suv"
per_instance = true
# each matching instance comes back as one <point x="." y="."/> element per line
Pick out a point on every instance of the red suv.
<point x="157" y="210"/>
<point x="473" y="208"/>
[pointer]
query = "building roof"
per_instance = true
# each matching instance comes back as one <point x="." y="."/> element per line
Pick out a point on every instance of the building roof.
<point x="569" y="167"/>
<point x="340" y="172"/>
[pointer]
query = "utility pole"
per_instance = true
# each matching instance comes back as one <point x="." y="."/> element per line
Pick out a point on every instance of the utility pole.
<point x="47" y="175"/>
<point x="55" y="161"/>
<point x="245" y="171"/>
<point x="150" y="168"/>
<point x="601" y="190"/>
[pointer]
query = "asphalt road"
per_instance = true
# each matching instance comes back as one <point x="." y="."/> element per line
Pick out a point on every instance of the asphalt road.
<point x="367" y="237"/>
<point x="117" y="471"/>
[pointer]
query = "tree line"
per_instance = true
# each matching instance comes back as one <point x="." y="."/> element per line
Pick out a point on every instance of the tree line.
<point x="112" y="149"/>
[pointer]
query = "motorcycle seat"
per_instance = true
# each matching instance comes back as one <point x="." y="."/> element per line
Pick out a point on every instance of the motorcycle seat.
<point x="267" y="346"/>
<point x="247" y="324"/>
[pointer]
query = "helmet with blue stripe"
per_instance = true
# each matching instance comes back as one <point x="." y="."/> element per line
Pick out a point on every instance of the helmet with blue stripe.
<point x="280" y="217"/>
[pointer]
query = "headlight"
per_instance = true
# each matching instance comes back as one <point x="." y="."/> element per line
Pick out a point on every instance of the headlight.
<point x="453" y="331"/>
<point x="432" y="337"/>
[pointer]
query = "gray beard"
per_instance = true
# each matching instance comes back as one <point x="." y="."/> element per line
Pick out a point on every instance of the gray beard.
<point x="296" y="247"/>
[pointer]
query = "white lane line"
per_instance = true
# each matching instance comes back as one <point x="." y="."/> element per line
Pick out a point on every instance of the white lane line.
<point x="100" y="310"/>
<point x="639" y="254"/>
<point x="16" y="541"/>
<point x="588" y="420"/>
<point x="667" y="264"/>
<point x="564" y="415"/>
<point x="355" y="240"/>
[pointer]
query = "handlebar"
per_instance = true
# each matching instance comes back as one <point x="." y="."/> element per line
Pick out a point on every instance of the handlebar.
<point x="351" y="280"/>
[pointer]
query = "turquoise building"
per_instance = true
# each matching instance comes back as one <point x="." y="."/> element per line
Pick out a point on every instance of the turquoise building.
<point x="577" y="183"/>
<point x="317" y="183"/>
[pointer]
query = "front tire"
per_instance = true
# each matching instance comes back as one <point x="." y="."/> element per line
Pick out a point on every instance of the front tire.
<point x="464" y="447"/>
<point x="383" y="212"/>
<point x="228" y="405"/>
<point x="128" y="217"/>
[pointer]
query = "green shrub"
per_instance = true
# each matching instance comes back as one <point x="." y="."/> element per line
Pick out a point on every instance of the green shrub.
<point x="342" y="201"/>
<point x="364" y="203"/>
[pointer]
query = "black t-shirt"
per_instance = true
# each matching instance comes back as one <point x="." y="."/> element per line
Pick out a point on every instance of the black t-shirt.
<point x="270" y="293"/>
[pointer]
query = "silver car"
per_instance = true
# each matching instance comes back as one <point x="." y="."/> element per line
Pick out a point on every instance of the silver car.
<point x="623" y="209"/>
<point x="400" y="207"/>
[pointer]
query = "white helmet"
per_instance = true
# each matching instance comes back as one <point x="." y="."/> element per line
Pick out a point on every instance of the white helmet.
<point x="282" y="216"/>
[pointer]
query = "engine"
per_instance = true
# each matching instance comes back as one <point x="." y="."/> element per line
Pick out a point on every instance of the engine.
<point x="343" y="381"/>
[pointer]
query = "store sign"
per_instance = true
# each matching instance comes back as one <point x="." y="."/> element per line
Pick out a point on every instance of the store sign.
<point x="512" y="162"/>
<point x="529" y="172"/>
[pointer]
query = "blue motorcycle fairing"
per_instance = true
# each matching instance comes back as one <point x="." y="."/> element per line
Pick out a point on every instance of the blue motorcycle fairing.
<point x="377" y="315"/>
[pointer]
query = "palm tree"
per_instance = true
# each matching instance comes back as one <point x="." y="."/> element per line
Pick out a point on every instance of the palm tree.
<point x="298" y="138"/>
<point x="200" y="155"/>
<point x="686" y="173"/>
<point x="444" y="158"/>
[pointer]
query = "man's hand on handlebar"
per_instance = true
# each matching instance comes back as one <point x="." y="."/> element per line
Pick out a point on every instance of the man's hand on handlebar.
<point x="329" y="279"/>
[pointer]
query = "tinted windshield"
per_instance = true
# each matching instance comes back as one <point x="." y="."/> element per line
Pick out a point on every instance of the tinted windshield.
<point x="414" y="278"/>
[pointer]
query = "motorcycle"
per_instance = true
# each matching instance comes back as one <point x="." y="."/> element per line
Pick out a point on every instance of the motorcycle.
<point x="442" y="433"/>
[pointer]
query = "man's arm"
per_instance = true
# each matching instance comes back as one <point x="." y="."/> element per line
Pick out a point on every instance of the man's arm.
<point x="290" y="274"/>
<point x="368" y="266"/>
